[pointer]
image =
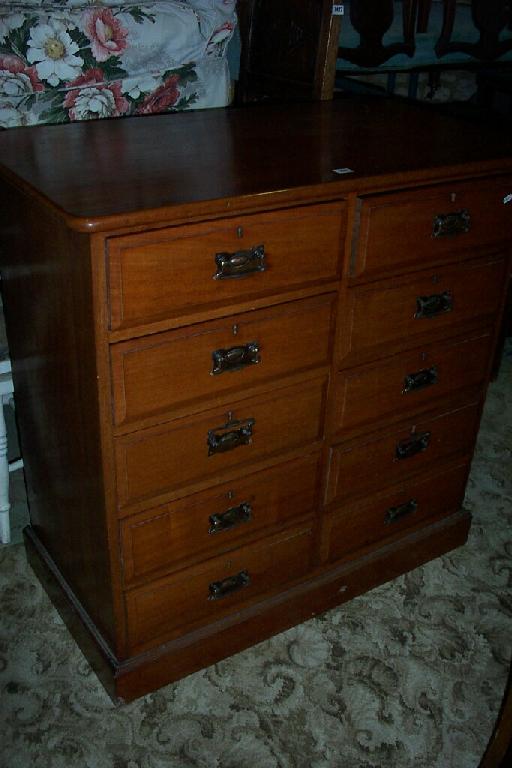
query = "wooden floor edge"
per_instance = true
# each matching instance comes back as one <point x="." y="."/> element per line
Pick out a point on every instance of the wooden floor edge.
<point x="125" y="681"/>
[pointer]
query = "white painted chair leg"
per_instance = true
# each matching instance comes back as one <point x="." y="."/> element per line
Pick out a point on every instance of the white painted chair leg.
<point x="5" y="526"/>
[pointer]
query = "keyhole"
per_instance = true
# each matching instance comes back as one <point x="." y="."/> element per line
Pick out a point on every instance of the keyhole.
<point x="453" y="197"/>
<point x="239" y="232"/>
<point x="235" y="329"/>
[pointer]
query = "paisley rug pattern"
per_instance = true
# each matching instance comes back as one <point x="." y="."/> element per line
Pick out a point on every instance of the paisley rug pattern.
<point x="410" y="674"/>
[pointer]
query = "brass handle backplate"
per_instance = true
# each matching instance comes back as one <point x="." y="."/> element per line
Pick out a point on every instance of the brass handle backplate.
<point x="420" y="379"/>
<point x="240" y="263"/>
<point x="394" y="514"/>
<point x="230" y="436"/>
<point x="433" y="305"/>
<point x="230" y="518"/>
<point x="449" y="224"/>
<point x="219" y="589"/>
<point x="409" y="447"/>
<point x="235" y="358"/>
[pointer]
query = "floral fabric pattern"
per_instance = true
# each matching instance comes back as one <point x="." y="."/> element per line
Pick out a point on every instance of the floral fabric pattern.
<point x="67" y="61"/>
<point x="90" y="98"/>
<point x="53" y="52"/>
<point x="107" y="36"/>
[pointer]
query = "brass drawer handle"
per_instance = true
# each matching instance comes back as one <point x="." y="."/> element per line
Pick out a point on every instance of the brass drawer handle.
<point x="226" y="587"/>
<point x="240" y="264"/>
<point x="396" y="513"/>
<point x="427" y="377"/>
<point x="230" y="518"/>
<point x="449" y="224"/>
<point x="405" y="449"/>
<point x="436" y="304"/>
<point x="235" y="358"/>
<point x="230" y="436"/>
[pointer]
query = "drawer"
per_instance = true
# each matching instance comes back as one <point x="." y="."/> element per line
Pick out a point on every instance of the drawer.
<point x="202" y="448"/>
<point x="176" y="370"/>
<point x="173" y="272"/>
<point x="413" y="503"/>
<point x="219" y="519"/>
<point x="205" y="593"/>
<point x="412" y="228"/>
<point x="391" y="457"/>
<point x="396" y="314"/>
<point x="407" y="382"/>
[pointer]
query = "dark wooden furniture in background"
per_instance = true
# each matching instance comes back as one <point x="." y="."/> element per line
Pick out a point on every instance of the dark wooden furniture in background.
<point x="289" y="49"/>
<point x="250" y="351"/>
<point x="372" y="21"/>
<point x="490" y="18"/>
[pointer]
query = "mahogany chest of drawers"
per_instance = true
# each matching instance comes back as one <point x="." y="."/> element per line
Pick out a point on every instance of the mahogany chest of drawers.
<point x="250" y="352"/>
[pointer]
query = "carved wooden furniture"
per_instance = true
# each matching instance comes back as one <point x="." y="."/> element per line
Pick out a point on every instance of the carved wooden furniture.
<point x="253" y="357"/>
<point x="417" y="36"/>
<point x="489" y="21"/>
<point x="490" y="17"/>
<point x="372" y="22"/>
<point x="289" y="49"/>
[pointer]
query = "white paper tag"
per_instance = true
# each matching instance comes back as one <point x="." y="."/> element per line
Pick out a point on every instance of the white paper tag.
<point x="507" y="199"/>
<point x="342" y="171"/>
<point x="338" y="10"/>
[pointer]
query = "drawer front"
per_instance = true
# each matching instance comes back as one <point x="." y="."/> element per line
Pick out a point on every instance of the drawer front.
<point x="167" y="609"/>
<point x="385" y="516"/>
<point x="176" y="271"/>
<point x="178" y="369"/>
<point x="207" y="523"/>
<point x="390" y="458"/>
<point x="398" y="313"/>
<point x="411" y="228"/>
<point x="198" y="449"/>
<point x="407" y="382"/>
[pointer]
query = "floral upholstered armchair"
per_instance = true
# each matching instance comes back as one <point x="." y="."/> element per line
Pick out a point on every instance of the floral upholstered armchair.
<point x="67" y="60"/>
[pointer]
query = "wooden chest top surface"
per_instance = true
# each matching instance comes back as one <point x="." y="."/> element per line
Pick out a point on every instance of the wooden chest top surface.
<point x="93" y="172"/>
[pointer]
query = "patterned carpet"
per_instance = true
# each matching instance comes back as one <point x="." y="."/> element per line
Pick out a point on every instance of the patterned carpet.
<point x="410" y="674"/>
<point x="454" y="85"/>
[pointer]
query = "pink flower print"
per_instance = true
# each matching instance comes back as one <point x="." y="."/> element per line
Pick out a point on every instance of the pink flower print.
<point x="219" y="39"/>
<point x="16" y="66"/>
<point x="163" y="97"/>
<point x="221" y="33"/>
<point x="16" y="79"/>
<point x="91" y="98"/>
<point x="107" y="36"/>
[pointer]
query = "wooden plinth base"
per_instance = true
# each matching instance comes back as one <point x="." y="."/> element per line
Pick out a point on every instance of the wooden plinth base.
<point x="141" y="674"/>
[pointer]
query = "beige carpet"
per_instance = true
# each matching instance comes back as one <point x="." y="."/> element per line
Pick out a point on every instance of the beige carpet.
<point x="410" y="674"/>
